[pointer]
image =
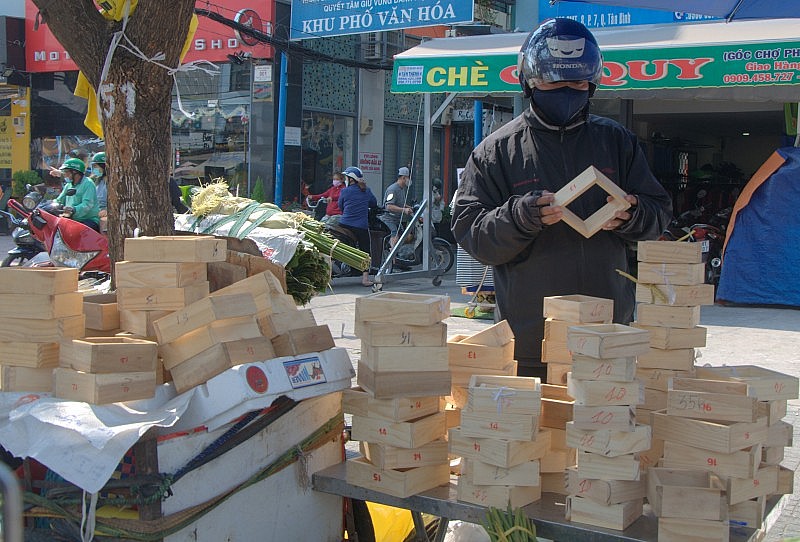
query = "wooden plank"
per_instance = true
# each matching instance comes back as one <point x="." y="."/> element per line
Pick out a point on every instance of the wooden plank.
<point x="610" y="418"/>
<point x="305" y="340"/>
<point x="605" y="392"/>
<point x="682" y="274"/>
<point x="159" y="274"/>
<point x="479" y="356"/>
<point x="41" y="306"/>
<point x="607" y="340"/>
<point x="579" y="308"/>
<point x="401" y="358"/>
<point x="42" y="331"/>
<point x="160" y="299"/>
<point x="485" y="474"/>
<point x="196" y="341"/>
<point x="409" y="434"/>
<point x="387" y="385"/>
<point x="385" y="456"/>
<point x="109" y="355"/>
<point x="400" y="483"/>
<point x="723" y="437"/>
<point x="723" y="403"/>
<point x="739" y="464"/>
<point x="104" y="388"/>
<point x="763" y="483"/>
<point x="26" y="379"/>
<point x="493" y="425"/>
<point x="358" y="402"/>
<point x="613" y="516"/>
<point x="668" y="252"/>
<point x="692" y="530"/>
<point x="175" y="248"/>
<point x="386" y="334"/>
<point x="609" y="443"/>
<point x="673" y="294"/>
<point x="499" y="452"/>
<point x="26" y="354"/>
<point x="667" y="316"/>
<point x="201" y="313"/>
<point x="38" y="280"/>
<point x="504" y="395"/>
<point x="621" y="467"/>
<point x="686" y="493"/>
<point x="584" y="181"/>
<point x="101" y="311"/>
<point x="674" y="360"/>
<point x="768" y="385"/>
<point x="611" y="369"/>
<point x="403" y="308"/>
<point x="497" y="496"/>
<point x="603" y="491"/>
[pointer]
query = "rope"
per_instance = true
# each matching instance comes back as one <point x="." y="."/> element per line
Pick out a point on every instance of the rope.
<point x="655" y="292"/>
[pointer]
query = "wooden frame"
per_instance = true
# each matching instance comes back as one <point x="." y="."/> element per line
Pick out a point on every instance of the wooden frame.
<point x="589" y="177"/>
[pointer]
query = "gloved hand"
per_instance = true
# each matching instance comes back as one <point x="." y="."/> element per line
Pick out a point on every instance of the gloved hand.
<point x="527" y="212"/>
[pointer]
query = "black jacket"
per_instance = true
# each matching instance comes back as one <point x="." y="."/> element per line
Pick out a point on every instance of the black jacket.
<point x="524" y="156"/>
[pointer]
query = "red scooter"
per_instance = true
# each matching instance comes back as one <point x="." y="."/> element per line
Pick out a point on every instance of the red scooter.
<point x="69" y="243"/>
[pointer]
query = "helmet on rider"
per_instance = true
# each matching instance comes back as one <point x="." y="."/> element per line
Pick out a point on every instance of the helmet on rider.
<point x="74" y="164"/>
<point x="99" y="158"/>
<point x="354" y="173"/>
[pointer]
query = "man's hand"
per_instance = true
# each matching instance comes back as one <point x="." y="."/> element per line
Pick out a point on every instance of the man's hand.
<point x="550" y="213"/>
<point x="620" y="217"/>
<point x="55" y="172"/>
<point x="68" y="211"/>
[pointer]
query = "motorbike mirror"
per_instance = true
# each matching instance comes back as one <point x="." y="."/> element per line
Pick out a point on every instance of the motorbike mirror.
<point x="71" y="192"/>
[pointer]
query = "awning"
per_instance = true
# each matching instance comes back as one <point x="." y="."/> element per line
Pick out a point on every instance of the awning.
<point x="746" y="60"/>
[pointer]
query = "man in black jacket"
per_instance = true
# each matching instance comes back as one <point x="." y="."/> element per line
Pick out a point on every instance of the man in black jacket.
<point x="503" y="214"/>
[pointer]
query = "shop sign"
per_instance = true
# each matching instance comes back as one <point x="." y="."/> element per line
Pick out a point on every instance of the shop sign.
<point x="212" y="41"/>
<point x="325" y="18"/>
<point x="370" y="162"/>
<point x="594" y="16"/>
<point x="716" y="66"/>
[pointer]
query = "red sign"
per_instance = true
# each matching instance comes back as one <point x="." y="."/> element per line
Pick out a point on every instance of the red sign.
<point x="256" y="379"/>
<point x="213" y="41"/>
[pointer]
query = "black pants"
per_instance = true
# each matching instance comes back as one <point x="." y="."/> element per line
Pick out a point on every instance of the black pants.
<point x="362" y="235"/>
<point x="531" y="367"/>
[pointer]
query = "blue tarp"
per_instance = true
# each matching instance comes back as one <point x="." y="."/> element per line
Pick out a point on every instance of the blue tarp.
<point x="762" y="258"/>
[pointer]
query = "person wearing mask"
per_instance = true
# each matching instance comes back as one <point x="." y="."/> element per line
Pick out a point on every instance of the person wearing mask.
<point x="100" y="181"/>
<point x="332" y="196"/>
<point x="395" y="203"/>
<point x="437" y="205"/>
<point x="503" y="214"/>
<point x="79" y="196"/>
<point x="355" y="202"/>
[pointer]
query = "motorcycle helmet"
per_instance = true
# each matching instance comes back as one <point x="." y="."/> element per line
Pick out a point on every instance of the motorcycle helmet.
<point x="559" y="50"/>
<point x="74" y="164"/>
<point x="99" y="158"/>
<point x="354" y="173"/>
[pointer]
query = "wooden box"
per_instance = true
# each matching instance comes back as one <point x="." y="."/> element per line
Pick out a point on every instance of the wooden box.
<point x="41" y="306"/>
<point x="764" y="482"/>
<point x="177" y="248"/>
<point x="654" y="400"/>
<point x="160" y="299"/>
<point x="669" y="338"/>
<point x="493" y="425"/>
<point x="749" y="514"/>
<point x="388" y="385"/>
<point x="785" y="481"/>
<point x="256" y="264"/>
<point x="596" y="466"/>
<point x="104" y="388"/>
<point x="302" y="341"/>
<point x="680" y="274"/>
<point x="203" y="338"/>
<point x="557" y="373"/>
<point x="140" y="323"/>
<point x="766" y="384"/>
<point x="610" y="369"/>
<point x="673" y="294"/>
<point x="503" y="453"/>
<point x="652" y="457"/>
<point x="497" y="496"/>
<point x="669" y="252"/>
<point x="713" y="400"/>
<point x="399" y="483"/>
<point x="605" y="392"/>
<point x="498" y="334"/>
<point x="579" y="308"/>
<point x="26" y="379"/>
<point x="480" y="356"/>
<point x="109" y="355"/>
<point x="679" y="359"/>
<point x="279" y="323"/>
<point x="504" y="395"/>
<point x="692" y="530"/>
<point x="607" y="340"/>
<point x="403" y="308"/>
<point x="484" y="474"/>
<point x="659" y="379"/>
<point x="686" y="493"/>
<point x="557" y="460"/>
<point x="555" y="413"/>
<point x="722" y="437"/>
<point x="401" y="358"/>
<point x="772" y="455"/>
<point x="385" y="456"/>
<point x="36" y="330"/>
<point x="101" y="311"/>
<point x="603" y="491"/>
<point x="26" y="354"/>
<point x="738" y="464"/>
<point x="775" y="410"/>
<point x="554" y="482"/>
<point x="461" y="375"/>
<point x="38" y="280"/>
<point x="222" y="274"/>
<point x="667" y="316"/>
<point x="610" y="418"/>
<point x="201" y="313"/>
<point x="609" y="443"/>
<point x="610" y="516"/>
<point x="358" y="402"/>
<point x="779" y="434"/>
<point x="409" y="434"/>
<point x="555" y="352"/>
<point x="159" y="274"/>
<point x="590" y="177"/>
<point x="388" y="334"/>
<point x="266" y="292"/>
<point x="211" y="362"/>
<point x="556" y="330"/>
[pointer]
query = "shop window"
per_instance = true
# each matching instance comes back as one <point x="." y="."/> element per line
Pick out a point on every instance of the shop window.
<point x="327" y="147"/>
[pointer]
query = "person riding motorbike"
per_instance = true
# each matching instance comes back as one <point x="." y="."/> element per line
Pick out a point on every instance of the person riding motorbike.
<point x="79" y="195"/>
<point x="100" y="180"/>
<point x="355" y="202"/>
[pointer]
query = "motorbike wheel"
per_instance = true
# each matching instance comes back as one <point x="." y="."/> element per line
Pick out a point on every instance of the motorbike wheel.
<point x="442" y="256"/>
<point x="11" y="258"/>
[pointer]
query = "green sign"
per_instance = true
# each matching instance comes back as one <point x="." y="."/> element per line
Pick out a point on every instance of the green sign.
<point x="716" y="66"/>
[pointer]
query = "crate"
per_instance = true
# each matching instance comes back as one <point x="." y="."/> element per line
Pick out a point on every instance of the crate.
<point x="557" y="373"/>
<point x="401" y="358"/>
<point x="620" y="467"/>
<point x="303" y="341"/>
<point x="722" y="437"/>
<point x="579" y="308"/>
<point x="607" y="369"/>
<point x="713" y="400"/>
<point x="749" y="514"/>
<point x="480" y="356"/>
<point x="605" y="392"/>
<point x="203" y="338"/>
<point x="266" y="291"/>
<point x="201" y="313"/>
<point x="103" y="388"/>
<point x="607" y="340"/>
<point x="388" y="385"/>
<point x="767" y="385"/>
<point x="603" y="491"/>
<point x="555" y="352"/>
<point x="497" y="496"/>
<point x="403" y="308"/>
<point x="279" y="323"/>
<point x="386" y="456"/>
<point x="499" y="425"/>
<point x="609" y="443"/>
<point x="764" y="482"/>
<point x="461" y="375"/>
<point x="484" y="474"/>
<point x="590" y="177"/>
<point x="101" y="311"/>
<point x="399" y="483"/>
<point x="175" y="248"/>
<point x="140" y="323"/>
<point x="407" y="434"/>
<point x="38" y="280"/>
<point x="679" y="359"/>
<point x="160" y="299"/>
<point x="669" y="338"/>
<point x="41" y="306"/>
<point x="556" y="412"/>
<point x="610" y="516"/>
<point x="738" y="464"/>
<point x="504" y="395"/>
<point x="673" y="294"/>
<point x="390" y="334"/>
<point x="556" y="330"/>
<point x="692" y="530"/>
<point x="26" y="379"/>
<point x="159" y="274"/>
<point x="610" y="418"/>
<point x="499" y="334"/>
<point x="667" y="316"/>
<point x="109" y="355"/>
<point x="502" y="453"/>
<point x="42" y="331"/>
<point x="686" y="493"/>
<point x="358" y="402"/>
<point x="26" y="354"/>
<point x="679" y="274"/>
<point x="659" y="379"/>
<point x="775" y="410"/>
<point x="554" y="482"/>
<point x="668" y="252"/>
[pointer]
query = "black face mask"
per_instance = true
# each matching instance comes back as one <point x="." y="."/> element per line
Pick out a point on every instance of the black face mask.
<point x="561" y="105"/>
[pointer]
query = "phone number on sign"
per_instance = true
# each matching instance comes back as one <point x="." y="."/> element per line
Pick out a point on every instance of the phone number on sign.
<point x="768" y="77"/>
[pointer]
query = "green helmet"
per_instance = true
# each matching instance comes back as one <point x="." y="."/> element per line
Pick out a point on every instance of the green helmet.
<point x="76" y="164"/>
<point x="99" y="158"/>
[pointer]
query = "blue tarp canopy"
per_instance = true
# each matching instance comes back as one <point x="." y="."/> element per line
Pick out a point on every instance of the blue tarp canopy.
<point x="728" y="9"/>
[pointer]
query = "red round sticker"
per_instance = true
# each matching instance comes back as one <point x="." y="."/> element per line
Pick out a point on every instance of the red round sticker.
<point x="256" y="379"/>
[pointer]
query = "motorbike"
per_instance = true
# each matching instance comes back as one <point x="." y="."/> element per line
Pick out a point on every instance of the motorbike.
<point x="27" y="246"/>
<point x="441" y="252"/>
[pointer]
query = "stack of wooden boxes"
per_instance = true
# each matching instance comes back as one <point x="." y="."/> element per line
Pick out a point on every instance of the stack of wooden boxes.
<point x="499" y="442"/>
<point x="557" y="407"/>
<point x="606" y="488"/>
<point x="397" y="411"/>
<point x="39" y="308"/>
<point x="560" y="313"/>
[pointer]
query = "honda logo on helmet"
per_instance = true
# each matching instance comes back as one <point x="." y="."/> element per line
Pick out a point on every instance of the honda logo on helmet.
<point x="566" y="48"/>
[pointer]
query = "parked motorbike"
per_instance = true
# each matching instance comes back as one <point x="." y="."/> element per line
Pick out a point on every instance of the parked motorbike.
<point x="441" y="252"/>
<point x="710" y="233"/>
<point x="27" y="246"/>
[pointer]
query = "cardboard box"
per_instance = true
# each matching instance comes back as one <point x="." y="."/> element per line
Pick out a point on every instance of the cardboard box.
<point x="612" y="516"/>
<point x="201" y="313"/>
<point x="41" y="306"/>
<point x="669" y="252"/>
<point x="26" y="379"/>
<point x="358" y="402"/>
<point x="590" y="177"/>
<point x="101" y="311"/>
<point x="409" y="434"/>
<point x="42" y="331"/>
<point x="103" y="388"/>
<point x="722" y="437"/>
<point x="669" y="338"/>
<point x="159" y="274"/>
<point x="686" y="493"/>
<point x="38" y="280"/>
<point x="607" y="340"/>
<point x="175" y="248"/>
<point x="605" y="392"/>
<point x="160" y="299"/>
<point x="109" y="355"/>
<point x="389" y="334"/>
<point x="579" y="308"/>
<point x="681" y="274"/>
<point x="499" y="452"/>
<point x="385" y="456"/>
<point x="403" y="308"/>
<point x="25" y="354"/>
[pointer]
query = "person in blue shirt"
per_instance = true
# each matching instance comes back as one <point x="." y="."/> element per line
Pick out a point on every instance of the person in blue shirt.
<point x="355" y="202"/>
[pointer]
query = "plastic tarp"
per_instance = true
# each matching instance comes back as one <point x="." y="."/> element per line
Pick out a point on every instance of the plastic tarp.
<point x="762" y="254"/>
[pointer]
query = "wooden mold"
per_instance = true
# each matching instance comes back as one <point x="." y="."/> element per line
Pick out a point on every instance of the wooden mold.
<point x="387" y="334"/>
<point x="385" y="456"/>
<point x="504" y="395"/>
<point x="479" y="356"/>
<point x="499" y="452"/>
<point x="388" y="385"/>
<point x="109" y="355"/>
<point x="590" y="177"/>
<point x="403" y="308"/>
<point x="26" y="354"/>
<point x="159" y="274"/>
<point x="408" y="434"/>
<point x="484" y="474"/>
<point x="579" y="308"/>
<point x="42" y="331"/>
<point x="692" y="530"/>
<point x="605" y="392"/>
<point x="610" y="418"/>
<point x="38" y="280"/>
<point x="669" y="252"/>
<point x="607" y="369"/>
<point x="201" y="313"/>
<point x="607" y="340"/>
<point x="679" y="274"/>
<point x="103" y="388"/>
<point x="671" y="294"/>
<point x="714" y="400"/>
<point x="196" y="341"/>
<point x="612" y="516"/>
<point x="609" y="443"/>
<point x="358" y="402"/>
<point x="669" y="338"/>
<point x="603" y="491"/>
<point x="686" y="493"/>
<point x="400" y="483"/>
<point x="26" y="379"/>
<point x="41" y="306"/>
<point x="767" y="385"/>
<point x="722" y="437"/>
<point x="175" y="248"/>
<point x="160" y="299"/>
<point x="400" y="358"/>
<point x="497" y="496"/>
<point x="101" y="311"/>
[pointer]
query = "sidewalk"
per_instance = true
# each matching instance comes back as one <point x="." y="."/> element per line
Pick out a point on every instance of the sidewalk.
<point x="768" y="337"/>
